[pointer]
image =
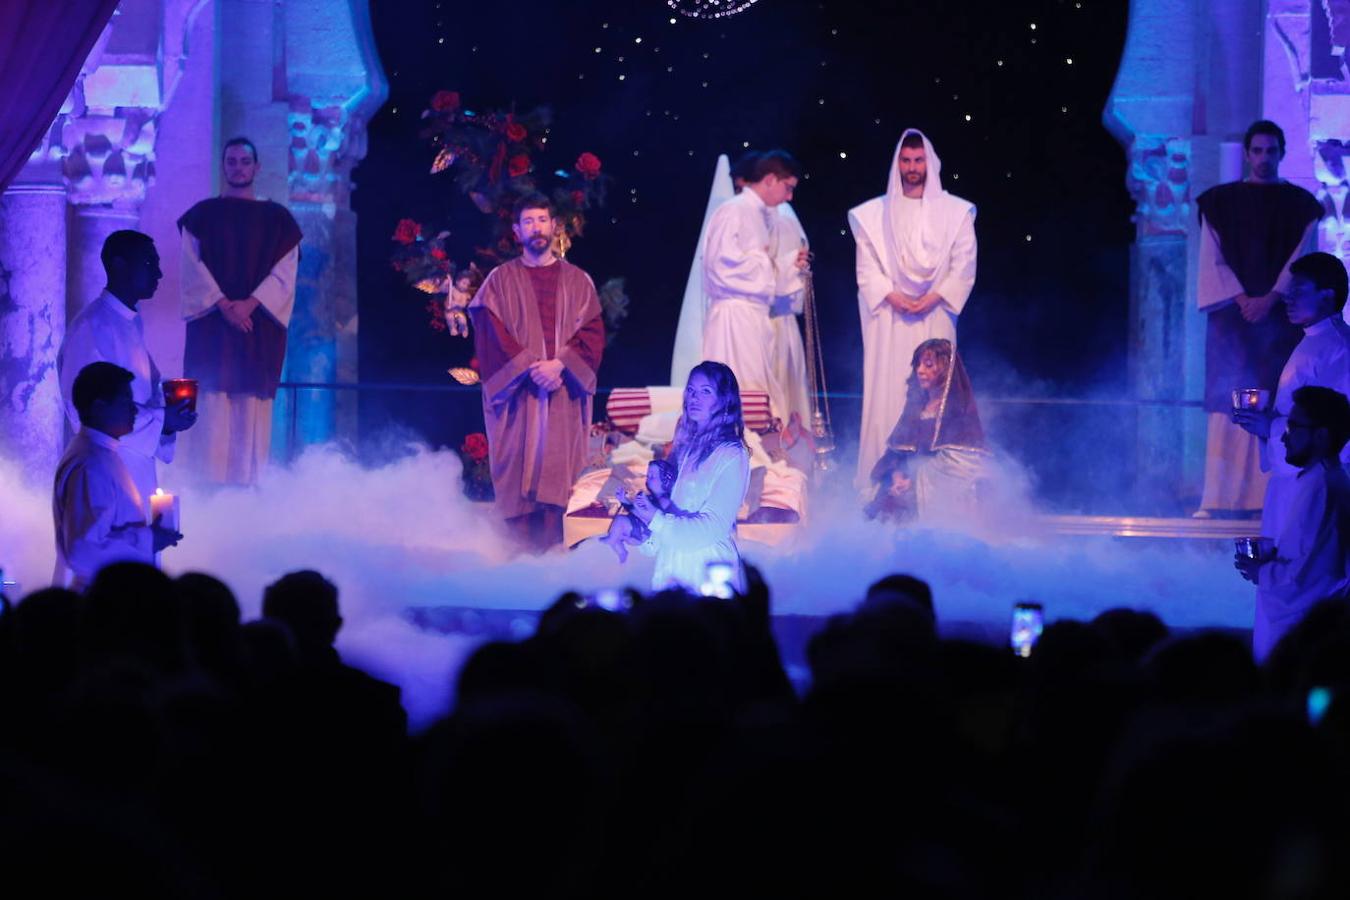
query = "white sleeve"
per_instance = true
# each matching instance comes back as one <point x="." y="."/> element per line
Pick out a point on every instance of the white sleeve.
<point x="197" y="285"/>
<point x="715" y="519"/>
<point x="959" y="281"/>
<point x="89" y="535"/>
<point x="1307" y="244"/>
<point x="873" y="282"/>
<point x="733" y="265"/>
<point x="1216" y="285"/>
<point x="276" y="292"/>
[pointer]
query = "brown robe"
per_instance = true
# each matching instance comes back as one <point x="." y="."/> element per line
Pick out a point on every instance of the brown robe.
<point x="241" y="241"/>
<point x="537" y="441"/>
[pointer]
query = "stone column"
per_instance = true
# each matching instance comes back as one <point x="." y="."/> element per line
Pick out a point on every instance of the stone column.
<point x="32" y="323"/>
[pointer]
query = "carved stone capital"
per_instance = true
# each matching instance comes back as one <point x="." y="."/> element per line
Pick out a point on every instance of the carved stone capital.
<point x="326" y="142"/>
<point x="1159" y="180"/>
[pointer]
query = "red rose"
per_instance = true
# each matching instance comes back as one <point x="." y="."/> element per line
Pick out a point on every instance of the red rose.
<point x="475" y="447"/>
<point x="445" y="101"/>
<point x="516" y="132"/>
<point x="588" y="164"/>
<point x="473" y="364"/>
<point x="407" y="231"/>
<point x="518" y="165"/>
<point x="579" y="198"/>
<point x="437" y="253"/>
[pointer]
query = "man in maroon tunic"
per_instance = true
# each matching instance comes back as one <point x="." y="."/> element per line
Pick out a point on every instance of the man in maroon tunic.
<point x="538" y="335"/>
<point x="1250" y="232"/>
<point x="239" y="260"/>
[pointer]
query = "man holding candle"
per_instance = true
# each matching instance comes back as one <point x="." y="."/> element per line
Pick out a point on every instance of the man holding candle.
<point x="1310" y="561"/>
<point x="538" y="335"/>
<point x="110" y="330"/>
<point x="1250" y="232"/>
<point x="100" y="516"/>
<point x="240" y="254"/>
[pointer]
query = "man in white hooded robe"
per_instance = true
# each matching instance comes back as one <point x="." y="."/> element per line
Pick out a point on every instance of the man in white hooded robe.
<point x="915" y="269"/>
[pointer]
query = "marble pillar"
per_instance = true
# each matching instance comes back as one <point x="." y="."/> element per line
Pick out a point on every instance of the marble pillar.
<point x="32" y="323"/>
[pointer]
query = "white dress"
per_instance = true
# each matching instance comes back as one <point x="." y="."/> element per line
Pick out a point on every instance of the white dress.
<point x="701" y="526"/>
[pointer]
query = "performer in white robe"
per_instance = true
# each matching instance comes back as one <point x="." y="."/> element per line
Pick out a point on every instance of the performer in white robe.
<point x="110" y="329"/>
<point x="915" y="268"/>
<point x="1313" y="298"/>
<point x="745" y="272"/>
<point x="98" y="514"/>
<point x="1310" y="561"/>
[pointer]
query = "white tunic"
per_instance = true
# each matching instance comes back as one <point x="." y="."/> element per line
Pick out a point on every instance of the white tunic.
<point x="914" y="247"/>
<point x="108" y="331"/>
<point x="1321" y="358"/>
<point x="701" y="528"/>
<point x="744" y="272"/>
<point x="97" y="511"/>
<point x="1312" y="554"/>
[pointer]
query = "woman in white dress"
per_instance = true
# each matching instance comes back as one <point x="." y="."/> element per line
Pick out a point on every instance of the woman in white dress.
<point x="699" y="525"/>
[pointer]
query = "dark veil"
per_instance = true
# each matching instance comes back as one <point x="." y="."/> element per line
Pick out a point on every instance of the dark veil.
<point x="957" y="425"/>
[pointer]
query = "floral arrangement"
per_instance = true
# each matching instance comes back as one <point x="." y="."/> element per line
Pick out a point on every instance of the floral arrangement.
<point x="477" y="476"/>
<point x="496" y="157"/>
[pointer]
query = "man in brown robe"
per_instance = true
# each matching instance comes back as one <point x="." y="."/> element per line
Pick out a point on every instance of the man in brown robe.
<point x="539" y="336"/>
<point x="1250" y="232"/>
<point x="239" y="260"/>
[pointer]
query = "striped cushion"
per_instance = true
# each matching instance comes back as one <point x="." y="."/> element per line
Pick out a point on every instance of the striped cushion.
<point x="626" y="407"/>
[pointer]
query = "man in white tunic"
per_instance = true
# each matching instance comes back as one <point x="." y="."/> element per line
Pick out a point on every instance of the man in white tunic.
<point x="110" y="329"/>
<point x="916" y="268"/>
<point x="1313" y="299"/>
<point x="1310" y="561"/>
<point x="746" y="271"/>
<point x="98" y="513"/>
<point x="240" y="256"/>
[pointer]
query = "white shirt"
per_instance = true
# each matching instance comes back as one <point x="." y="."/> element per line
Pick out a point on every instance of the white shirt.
<point x="741" y="258"/>
<point x="97" y="511"/>
<point x="108" y="331"/>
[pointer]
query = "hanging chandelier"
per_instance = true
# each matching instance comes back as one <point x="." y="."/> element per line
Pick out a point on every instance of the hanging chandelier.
<point x="709" y="9"/>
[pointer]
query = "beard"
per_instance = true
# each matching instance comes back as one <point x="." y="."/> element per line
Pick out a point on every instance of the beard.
<point x="239" y="181"/>
<point x="538" y="243"/>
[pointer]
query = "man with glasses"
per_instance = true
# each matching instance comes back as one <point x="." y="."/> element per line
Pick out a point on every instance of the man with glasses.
<point x="1310" y="561"/>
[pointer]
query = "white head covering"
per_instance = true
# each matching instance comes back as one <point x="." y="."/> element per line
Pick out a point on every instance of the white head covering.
<point x="689" y="332"/>
<point x="915" y="250"/>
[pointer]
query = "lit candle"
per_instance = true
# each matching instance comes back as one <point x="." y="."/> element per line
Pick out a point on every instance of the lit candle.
<point x="166" y="505"/>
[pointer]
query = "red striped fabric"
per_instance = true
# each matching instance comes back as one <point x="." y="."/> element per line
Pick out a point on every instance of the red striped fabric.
<point x="626" y="407"/>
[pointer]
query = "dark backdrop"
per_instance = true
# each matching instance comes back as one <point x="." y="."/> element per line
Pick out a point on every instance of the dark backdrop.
<point x="835" y="83"/>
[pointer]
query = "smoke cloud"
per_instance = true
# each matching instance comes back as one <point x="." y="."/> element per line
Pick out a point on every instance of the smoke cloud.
<point x="402" y="535"/>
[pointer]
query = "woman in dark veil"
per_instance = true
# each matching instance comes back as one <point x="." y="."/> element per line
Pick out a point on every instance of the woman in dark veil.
<point x="936" y="453"/>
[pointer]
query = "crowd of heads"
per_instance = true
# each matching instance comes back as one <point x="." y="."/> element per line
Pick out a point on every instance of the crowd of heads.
<point x="633" y="745"/>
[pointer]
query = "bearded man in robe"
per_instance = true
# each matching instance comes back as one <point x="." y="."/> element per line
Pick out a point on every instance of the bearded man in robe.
<point x="1250" y="233"/>
<point x="239" y="260"/>
<point x="539" y="336"/>
<point x="915" y="268"/>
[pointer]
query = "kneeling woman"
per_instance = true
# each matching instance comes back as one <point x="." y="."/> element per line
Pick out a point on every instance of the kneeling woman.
<point x="699" y="525"/>
<point x="935" y="456"/>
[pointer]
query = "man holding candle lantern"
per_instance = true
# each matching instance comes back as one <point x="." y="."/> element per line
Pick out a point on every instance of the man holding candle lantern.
<point x="1315" y="298"/>
<point x="110" y="330"/>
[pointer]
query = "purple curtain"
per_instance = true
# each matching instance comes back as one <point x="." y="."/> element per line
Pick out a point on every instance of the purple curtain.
<point x="43" y="43"/>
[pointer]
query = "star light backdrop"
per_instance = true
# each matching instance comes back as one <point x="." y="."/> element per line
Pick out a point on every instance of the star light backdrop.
<point x="1010" y="94"/>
